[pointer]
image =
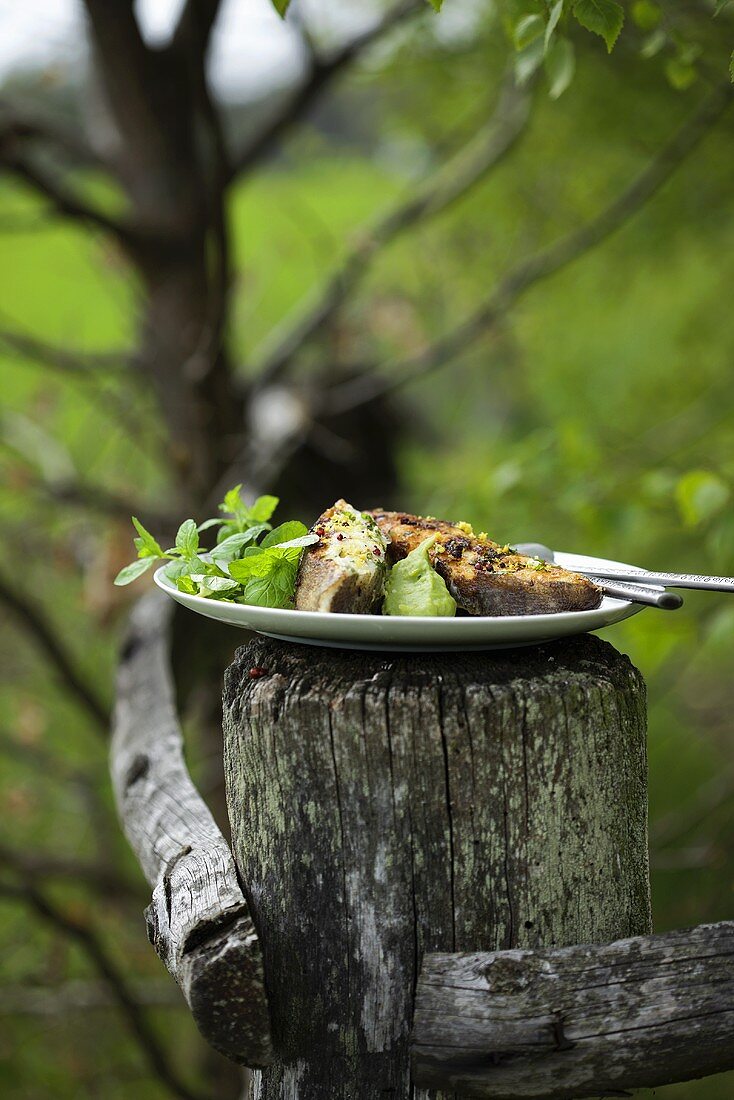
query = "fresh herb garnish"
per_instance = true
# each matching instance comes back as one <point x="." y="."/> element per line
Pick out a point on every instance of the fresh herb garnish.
<point x="238" y="568"/>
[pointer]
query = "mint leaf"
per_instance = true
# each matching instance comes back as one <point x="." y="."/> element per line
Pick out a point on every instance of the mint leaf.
<point x="262" y="509"/>
<point x="233" y="502"/>
<point x="275" y="588"/>
<point x="293" y="529"/>
<point x="187" y="539"/>
<point x="146" y="545"/>
<point x="134" y="570"/>
<point x="210" y="523"/>
<point x="269" y="575"/>
<point x="176" y="569"/>
<point x="560" y="65"/>
<point x="231" y="547"/>
<point x="303" y="540"/>
<point x="602" y="17"/>
<point x="252" y="565"/>
<point x="213" y="587"/>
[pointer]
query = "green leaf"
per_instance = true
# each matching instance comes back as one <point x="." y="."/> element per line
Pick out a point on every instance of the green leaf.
<point x="555" y="14"/>
<point x="187" y="585"/>
<point x="269" y="575"/>
<point x="293" y="529"/>
<point x="602" y="17"/>
<point x="646" y="14"/>
<point x="560" y="65"/>
<point x="436" y="4"/>
<point x="213" y="587"/>
<point x="187" y="539"/>
<point x="262" y="509"/>
<point x="231" y="547"/>
<point x="528" y="61"/>
<point x="208" y="523"/>
<point x="720" y="5"/>
<point x="146" y="545"/>
<point x="653" y="44"/>
<point x="700" y="495"/>
<point x="281" y="6"/>
<point x="527" y="30"/>
<point x="731" y="67"/>
<point x="681" y="75"/>
<point x="233" y="502"/>
<point x="251" y="565"/>
<point x="134" y="570"/>
<point x="176" y="569"/>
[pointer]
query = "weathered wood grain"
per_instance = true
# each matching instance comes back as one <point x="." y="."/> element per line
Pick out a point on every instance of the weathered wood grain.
<point x="577" y="1021"/>
<point x="383" y="806"/>
<point x="198" y="920"/>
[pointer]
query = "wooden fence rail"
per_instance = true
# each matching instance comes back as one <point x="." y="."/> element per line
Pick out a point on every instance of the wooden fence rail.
<point x="198" y="919"/>
<point x="577" y="1021"/>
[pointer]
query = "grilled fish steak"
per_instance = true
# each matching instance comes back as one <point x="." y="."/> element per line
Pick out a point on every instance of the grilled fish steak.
<point x="483" y="577"/>
<point x="345" y="570"/>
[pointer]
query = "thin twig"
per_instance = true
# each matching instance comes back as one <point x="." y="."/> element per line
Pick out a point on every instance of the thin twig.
<point x="89" y="941"/>
<point x="100" y="877"/>
<point x="17" y="124"/>
<point x="540" y="266"/>
<point x="61" y="198"/>
<point x="481" y="154"/>
<point x="62" y="359"/>
<point x="322" y="73"/>
<point x="80" y="996"/>
<point x="48" y="641"/>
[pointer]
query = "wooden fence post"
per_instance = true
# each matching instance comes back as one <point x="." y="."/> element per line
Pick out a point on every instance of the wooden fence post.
<point x="383" y="806"/>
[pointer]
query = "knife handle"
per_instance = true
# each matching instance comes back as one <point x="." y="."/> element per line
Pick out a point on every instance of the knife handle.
<point x="671" y="580"/>
<point x="638" y="593"/>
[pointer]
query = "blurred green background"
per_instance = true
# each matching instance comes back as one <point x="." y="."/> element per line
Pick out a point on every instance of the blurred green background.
<point x="597" y="416"/>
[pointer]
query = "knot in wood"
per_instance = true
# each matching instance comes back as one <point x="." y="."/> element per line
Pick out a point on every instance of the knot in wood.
<point x="511" y="974"/>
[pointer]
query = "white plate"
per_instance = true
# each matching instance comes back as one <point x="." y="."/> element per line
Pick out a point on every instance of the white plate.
<point x="406" y="633"/>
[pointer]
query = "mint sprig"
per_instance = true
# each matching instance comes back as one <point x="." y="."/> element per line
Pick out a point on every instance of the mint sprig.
<point x="238" y="568"/>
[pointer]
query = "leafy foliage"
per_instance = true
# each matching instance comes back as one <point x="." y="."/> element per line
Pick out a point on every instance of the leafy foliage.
<point x="238" y="568"/>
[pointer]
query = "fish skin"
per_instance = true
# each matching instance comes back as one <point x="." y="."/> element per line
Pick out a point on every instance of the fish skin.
<point x="323" y="584"/>
<point x="472" y="568"/>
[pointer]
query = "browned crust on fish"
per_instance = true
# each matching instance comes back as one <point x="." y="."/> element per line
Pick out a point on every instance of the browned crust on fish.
<point x="485" y="578"/>
<point x="322" y="585"/>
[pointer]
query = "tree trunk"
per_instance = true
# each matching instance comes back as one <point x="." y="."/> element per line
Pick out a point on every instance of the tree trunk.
<point x="383" y="806"/>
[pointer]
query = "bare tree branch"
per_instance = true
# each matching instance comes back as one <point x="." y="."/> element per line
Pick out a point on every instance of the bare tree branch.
<point x="48" y="641"/>
<point x="195" y="25"/>
<point x="62" y="199"/>
<point x="62" y="359"/>
<point x="80" y="996"/>
<point x="88" y="939"/>
<point x="323" y="72"/>
<point x="451" y="181"/>
<point x="17" y="124"/>
<point x="540" y="266"/>
<point x="127" y="67"/>
<point x="103" y="878"/>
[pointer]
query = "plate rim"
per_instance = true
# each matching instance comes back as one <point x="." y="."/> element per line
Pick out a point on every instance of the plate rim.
<point x="473" y="630"/>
